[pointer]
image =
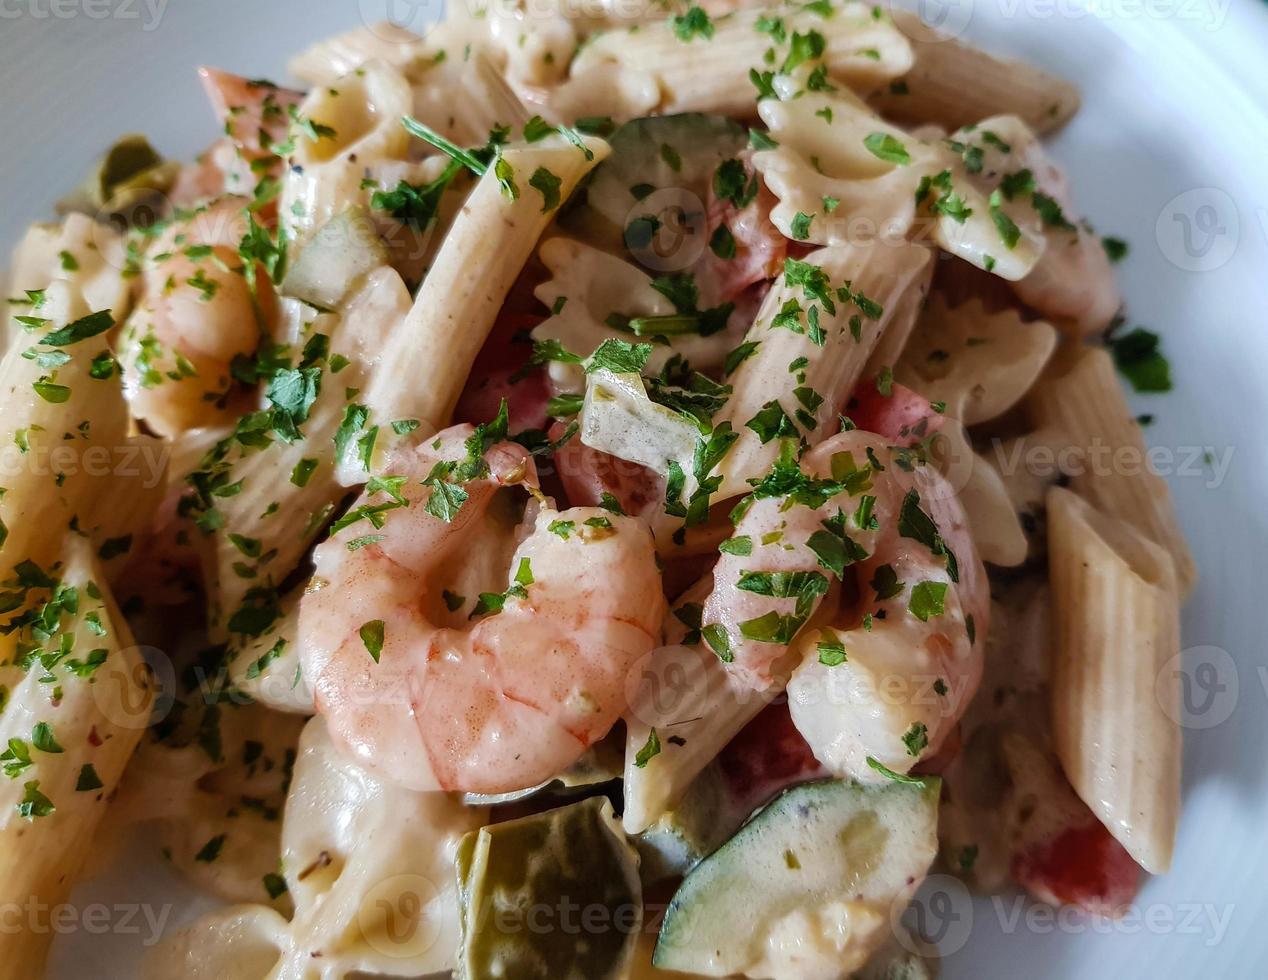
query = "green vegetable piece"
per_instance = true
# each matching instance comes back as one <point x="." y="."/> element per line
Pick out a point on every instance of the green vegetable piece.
<point x="129" y="174"/>
<point x="524" y="885"/>
<point x="868" y="844"/>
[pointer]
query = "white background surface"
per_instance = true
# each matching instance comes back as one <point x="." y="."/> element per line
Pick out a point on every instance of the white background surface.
<point x="1173" y="134"/>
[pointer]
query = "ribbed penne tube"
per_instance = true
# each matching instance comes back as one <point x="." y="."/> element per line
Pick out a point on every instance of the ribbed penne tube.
<point x="286" y="494"/>
<point x="1117" y="617"/>
<point x="76" y="699"/>
<point x="772" y="384"/>
<point x="711" y="73"/>
<point x="952" y="85"/>
<point x="263" y="493"/>
<point x="1085" y="402"/>
<point x="685" y="696"/>
<point x="893" y="340"/>
<point x="66" y="454"/>
<point x="426" y="361"/>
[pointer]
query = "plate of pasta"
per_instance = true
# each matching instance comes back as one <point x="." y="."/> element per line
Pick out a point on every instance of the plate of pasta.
<point x="622" y="491"/>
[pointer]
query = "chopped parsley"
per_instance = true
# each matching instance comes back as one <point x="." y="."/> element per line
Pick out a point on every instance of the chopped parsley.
<point x="649" y="751"/>
<point x="694" y="23"/>
<point x="927" y="600"/>
<point x="1138" y="356"/>
<point x="897" y="777"/>
<point x="916" y="738"/>
<point x="886" y="147"/>
<point x="372" y="634"/>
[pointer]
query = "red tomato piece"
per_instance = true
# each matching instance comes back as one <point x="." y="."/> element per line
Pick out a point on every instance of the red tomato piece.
<point x="587" y="474"/>
<point x="1082" y="866"/>
<point x="766" y="757"/>
<point x="759" y="247"/>
<point x="903" y="417"/>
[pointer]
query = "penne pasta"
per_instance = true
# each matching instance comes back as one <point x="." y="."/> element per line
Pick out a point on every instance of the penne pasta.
<point x="1083" y="400"/>
<point x="426" y="361"/>
<point x="1117" y="621"/>
<point x="264" y="492"/>
<point x="547" y="414"/>
<point x="835" y="339"/>
<point x="77" y="697"/>
<point x="69" y="461"/>
<point x="685" y="696"/>
<point x="952" y="85"/>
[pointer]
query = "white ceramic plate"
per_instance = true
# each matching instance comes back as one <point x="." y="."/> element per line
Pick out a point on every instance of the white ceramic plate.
<point x="1167" y="153"/>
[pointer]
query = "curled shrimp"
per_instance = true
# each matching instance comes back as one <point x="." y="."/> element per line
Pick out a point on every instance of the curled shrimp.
<point x="196" y="313"/>
<point x="884" y="671"/>
<point x="420" y="689"/>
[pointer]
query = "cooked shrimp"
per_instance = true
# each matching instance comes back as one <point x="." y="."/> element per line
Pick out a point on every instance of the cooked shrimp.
<point x="887" y="681"/>
<point x="415" y="690"/>
<point x="196" y="313"/>
<point x="887" y="524"/>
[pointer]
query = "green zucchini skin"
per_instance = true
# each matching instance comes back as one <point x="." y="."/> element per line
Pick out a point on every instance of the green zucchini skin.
<point x="816" y="845"/>
<point x="657" y="163"/>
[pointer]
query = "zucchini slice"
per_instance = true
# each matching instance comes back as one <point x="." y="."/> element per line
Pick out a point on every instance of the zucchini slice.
<point x="807" y="887"/>
<point x="650" y="195"/>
